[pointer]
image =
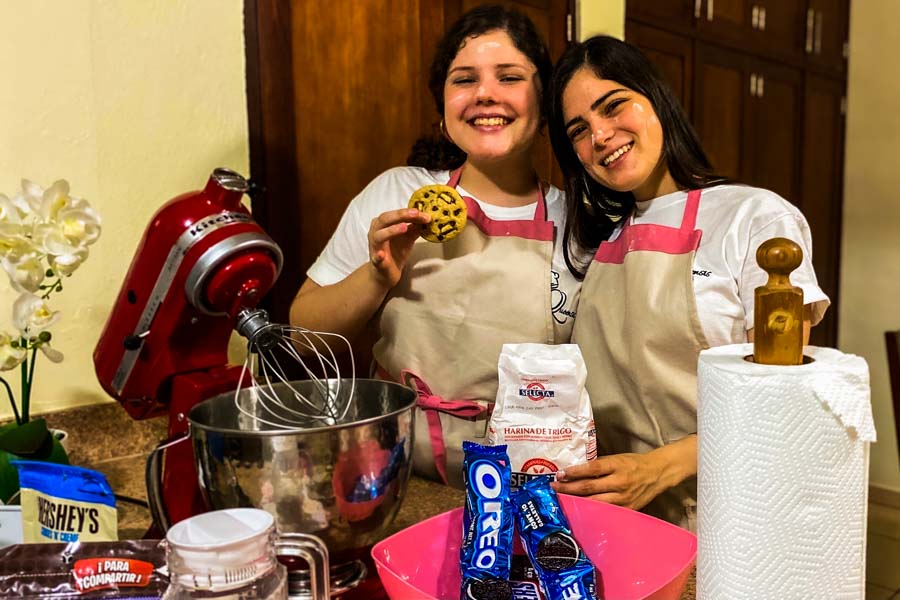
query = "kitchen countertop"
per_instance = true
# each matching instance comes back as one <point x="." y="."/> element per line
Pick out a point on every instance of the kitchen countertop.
<point x="423" y="499"/>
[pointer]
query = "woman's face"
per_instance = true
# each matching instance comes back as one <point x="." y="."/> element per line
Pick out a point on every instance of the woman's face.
<point x="616" y="135"/>
<point x="491" y="99"/>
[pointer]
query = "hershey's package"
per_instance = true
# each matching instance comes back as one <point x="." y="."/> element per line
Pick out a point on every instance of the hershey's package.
<point x="543" y="413"/>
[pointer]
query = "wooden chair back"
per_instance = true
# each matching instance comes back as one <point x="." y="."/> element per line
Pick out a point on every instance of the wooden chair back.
<point x="892" y="339"/>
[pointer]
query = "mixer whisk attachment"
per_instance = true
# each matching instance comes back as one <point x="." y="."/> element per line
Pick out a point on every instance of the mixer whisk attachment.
<point x="268" y="345"/>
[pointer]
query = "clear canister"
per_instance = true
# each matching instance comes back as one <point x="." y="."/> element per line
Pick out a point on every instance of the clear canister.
<point x="225" y="554"/>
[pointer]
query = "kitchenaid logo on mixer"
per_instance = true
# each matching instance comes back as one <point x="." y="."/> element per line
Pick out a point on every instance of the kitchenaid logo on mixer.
<point x="215" y="221"/>
<point x="66" y="522"/>
<point x="487" y="485"/>
<point x="535" y="390"/>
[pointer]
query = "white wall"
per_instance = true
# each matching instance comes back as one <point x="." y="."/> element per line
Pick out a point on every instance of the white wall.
<point x="132" y="103"/>
<point x="870" y="257"/>
<point x="600" y="16"/>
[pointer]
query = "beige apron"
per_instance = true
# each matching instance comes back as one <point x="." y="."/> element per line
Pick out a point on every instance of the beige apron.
<point x="640" y="335"/>
<point x="443" y="325"/>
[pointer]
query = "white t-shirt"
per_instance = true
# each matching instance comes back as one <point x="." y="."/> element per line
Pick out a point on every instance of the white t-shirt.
<point x="735" y="220"/>
<point x="348" y="248"/>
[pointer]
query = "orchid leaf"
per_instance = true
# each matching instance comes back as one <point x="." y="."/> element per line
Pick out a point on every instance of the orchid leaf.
<point x="31" y="441"/>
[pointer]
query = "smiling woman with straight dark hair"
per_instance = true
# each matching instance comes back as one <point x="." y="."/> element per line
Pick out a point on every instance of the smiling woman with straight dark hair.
<point x="674" y="271"/>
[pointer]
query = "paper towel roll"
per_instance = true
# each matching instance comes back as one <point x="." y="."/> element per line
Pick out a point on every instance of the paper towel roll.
<point x="783" y="476"/>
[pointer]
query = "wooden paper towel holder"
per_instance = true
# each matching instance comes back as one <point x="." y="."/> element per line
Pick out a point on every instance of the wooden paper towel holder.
<point x="778" y="307"/>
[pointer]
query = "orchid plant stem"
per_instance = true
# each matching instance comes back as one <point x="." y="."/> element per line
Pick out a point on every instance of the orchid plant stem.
<point x="27" y="375"/>
<point x="12" y="401"/>
<point x="53" y="287"/>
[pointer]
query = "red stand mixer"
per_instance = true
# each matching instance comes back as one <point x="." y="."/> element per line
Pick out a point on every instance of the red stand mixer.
<point x="201" y="267"/>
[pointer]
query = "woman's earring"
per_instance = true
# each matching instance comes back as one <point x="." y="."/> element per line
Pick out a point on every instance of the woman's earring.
<point x="445" y="133"/>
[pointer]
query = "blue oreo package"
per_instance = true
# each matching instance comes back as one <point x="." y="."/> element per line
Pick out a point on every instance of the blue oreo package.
<point x="486" y="553"/>
<point x="563" y="569"/>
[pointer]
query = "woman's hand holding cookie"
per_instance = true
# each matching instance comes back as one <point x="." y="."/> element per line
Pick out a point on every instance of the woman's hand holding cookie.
<point x="447" y="209"/>
<point x="391" y="238"/>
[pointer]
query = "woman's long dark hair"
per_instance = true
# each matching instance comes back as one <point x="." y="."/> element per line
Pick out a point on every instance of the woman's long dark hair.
<point x="436" y="152"/>
<point x="594" y="209"/>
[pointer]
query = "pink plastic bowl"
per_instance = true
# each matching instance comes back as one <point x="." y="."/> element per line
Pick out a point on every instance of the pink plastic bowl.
<point x="639" y="557"/>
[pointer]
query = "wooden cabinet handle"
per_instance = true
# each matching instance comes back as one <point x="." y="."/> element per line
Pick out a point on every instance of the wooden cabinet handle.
<point x="710" y="9"/>
<point x="810" y="26"/>
<point x="697" y="8"/>
<point x="753" y="84"/>
<point x="754" y="17"/>
<point x="762" y="18"/>
<point x="760" y="86"/>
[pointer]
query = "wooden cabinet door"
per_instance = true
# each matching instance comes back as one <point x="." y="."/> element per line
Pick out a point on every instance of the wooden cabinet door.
<point x="828" y="20"/>
<point x="822" y="185"/>
<point x="671" y="54"/>
<point x="336" y="96"/>
<point x="773" y="119"/>
<point x="678" y="13"/>
<point x="720" y="96"/>
<point x="747" y="113"/>
<point x="728" y="21"/>
<point x="780" y="27"/>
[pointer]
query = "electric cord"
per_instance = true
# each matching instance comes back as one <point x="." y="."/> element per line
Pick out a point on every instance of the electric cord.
<point x="130" y="500"/>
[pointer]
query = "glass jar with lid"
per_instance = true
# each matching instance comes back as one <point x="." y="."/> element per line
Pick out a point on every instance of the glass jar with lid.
<point x="231" y="555"/>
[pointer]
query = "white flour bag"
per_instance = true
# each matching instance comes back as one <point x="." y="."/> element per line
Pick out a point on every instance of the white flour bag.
<point x="543" y="413"/>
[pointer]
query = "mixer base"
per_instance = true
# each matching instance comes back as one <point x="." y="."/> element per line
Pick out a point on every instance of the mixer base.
<point x="344" y="577"/>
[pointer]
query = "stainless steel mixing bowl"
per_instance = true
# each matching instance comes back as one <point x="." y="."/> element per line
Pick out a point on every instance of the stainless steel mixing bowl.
<point x="341" y="482"/>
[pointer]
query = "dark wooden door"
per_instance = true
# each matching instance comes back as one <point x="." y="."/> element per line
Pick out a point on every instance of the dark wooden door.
<point x="779" y="27"/>
<point x="677" y="13"/>
<point x="821" y="185"/>
<point x="721" y="93"/>
<point x="828" y="20"/>
<point x="727" y="20"/>
<point x="337" y="93"/>
<point x="773" y="122"/>
<point x="671" y="54"/>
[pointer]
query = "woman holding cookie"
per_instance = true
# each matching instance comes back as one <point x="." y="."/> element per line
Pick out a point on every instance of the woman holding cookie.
<point x="674" y="272"/>
<point x="455" y="256"/>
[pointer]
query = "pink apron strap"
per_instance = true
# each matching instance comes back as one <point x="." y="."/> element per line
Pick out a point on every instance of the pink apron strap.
<point x="432" y="405"/>
<point x="689" y="220"/>
<point x="540" y="211"/>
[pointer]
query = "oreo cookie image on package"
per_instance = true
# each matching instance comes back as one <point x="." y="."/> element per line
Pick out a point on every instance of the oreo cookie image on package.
<point x="488" y="523"/>
<point x="563" y="569"/>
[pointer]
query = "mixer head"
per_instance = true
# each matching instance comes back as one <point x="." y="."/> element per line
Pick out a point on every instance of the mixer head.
<point x="201" y="261"/>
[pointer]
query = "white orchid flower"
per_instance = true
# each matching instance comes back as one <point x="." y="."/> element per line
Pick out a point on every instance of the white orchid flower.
<point x="64" y="265"/>
<point x="31" y="315"/>
<point x="29" y="200"/>
<point x="55" y="198"/>
<point x="79" y="222"/>
<point x="51" y="353"/>
<point x="10" y="357"/>
<point x="9" y="211"/>
<point x="26" y="274"/>
<point x="15" y="243"/>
